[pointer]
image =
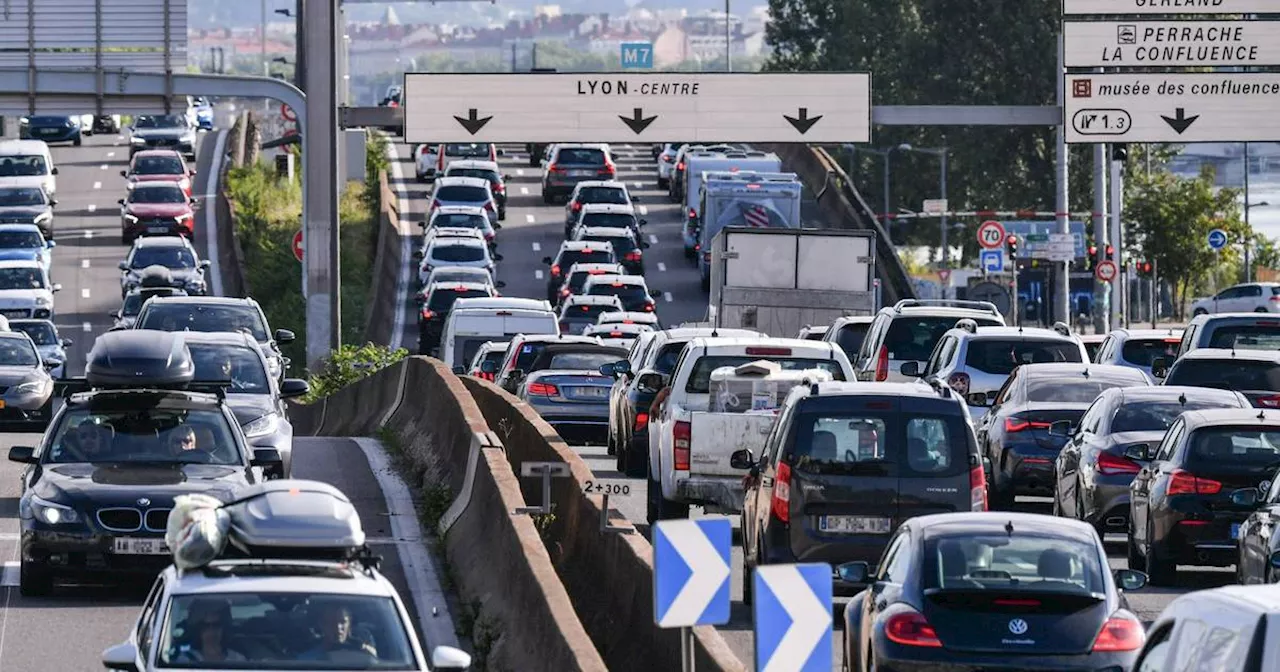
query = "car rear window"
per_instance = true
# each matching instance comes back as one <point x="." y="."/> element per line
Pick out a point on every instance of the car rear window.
<point x="570" y="257"/>
<point x="1240" y="446"/>
<point x="866" y="443"/>
<point x="443" y="298"/>
<point x="700" y="377"/>
<point x="1001" y="357"/>
<point x="1264" y="335"/>
<point x="472" y="149"/>
<point x="457" y="253"/>
<point x="1225" y="374"/>
<point x="621" y="245"/>
<point x="1144" y="351"/>
<point x="1076" y="390"/>
<point x="458" y="193"/>
<point x="612" y="219"/>
<point x="581" y="361"/>
<point x="913" y="338"/>
<point x="1012" y="561"/>
<point x="461" y="221"/>
<point x="628" y="294"/>
<point x="580" y="155"/>
<point x="610" y="195"/>
<point x="578" y="279"/>
<point x="1157" y="416"/>
<point x="585" y="310"/>
<point x="850" y="338"/>
<point x="473" y="172"/>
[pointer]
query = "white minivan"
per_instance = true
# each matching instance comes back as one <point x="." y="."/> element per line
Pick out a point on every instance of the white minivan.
<point x="474" y="322"/>
<point x="27" y="163"/>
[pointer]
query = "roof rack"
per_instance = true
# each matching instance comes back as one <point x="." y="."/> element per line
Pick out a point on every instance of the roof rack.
<point x="986" y="306"/>
<point x="968" y="325"/>
<point x="1062" y="328"/>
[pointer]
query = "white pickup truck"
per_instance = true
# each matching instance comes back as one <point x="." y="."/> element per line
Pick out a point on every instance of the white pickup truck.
<point x="690" y="445"/>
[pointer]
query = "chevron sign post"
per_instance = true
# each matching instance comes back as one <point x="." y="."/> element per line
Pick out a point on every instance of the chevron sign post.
<point x="793" y="618"/>
<point x="691" y="572"/>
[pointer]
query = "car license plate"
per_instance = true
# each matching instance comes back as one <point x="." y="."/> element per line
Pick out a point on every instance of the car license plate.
<point x="854" y="524"/>
<point x="157" y="229"/>
<point x="1235" y="530"/>
<point x="581" y="173"/>
<point x="592" y="392"/>
<point x="140" y="546"/>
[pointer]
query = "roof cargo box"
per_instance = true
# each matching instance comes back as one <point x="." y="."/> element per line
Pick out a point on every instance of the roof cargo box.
<point x="139" y="358"/>
<point x="155" y="276"/>
<point x="295" y="519"/>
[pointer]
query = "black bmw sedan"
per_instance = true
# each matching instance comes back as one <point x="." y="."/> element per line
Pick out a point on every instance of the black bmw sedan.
<point x="991" y="591"/>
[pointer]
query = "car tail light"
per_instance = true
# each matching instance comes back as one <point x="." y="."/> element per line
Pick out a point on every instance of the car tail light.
<point x="1274" y="299"/>
<point x="667" y="158"/>
<point x="693" y="214"/>
<point x="426" y="314"/>
<point x="577" y="206"/>
<point x="1112" y="465"/>
<point x="1186" y="483"/>
<point x="977" y="489"/>
<point x="565" y="292"/>
<point x="555" y="271"/>
<point x="488" y="206"/>
<point x="499" y="188"/>
<point x="609" y="169"/>
<point x="680" y="166"/>
<point x="769" y="352"/>
<point x="882" y="364"/>
<point x="780" y="503"/>
<point x="553" y="168"/>
<point x="959" y="382"/>
<point x="435" y="204"/>
<point x="488" y="237"/>
<point x="681" y="439"/>
<point x="1014" y="424"/>
<point x="911" y="628"/>
<point x="642" y="422"/>
<point x="1120" y="633"/>
<point x="634" y="255"/>
<point x="543" y="389"/>
<point x="648" y="308"/>
<point x="1269" y="401"/>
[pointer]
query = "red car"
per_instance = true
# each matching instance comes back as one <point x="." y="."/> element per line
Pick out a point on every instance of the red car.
<point x="158" y="165"/>
<point x="156" y="208"/>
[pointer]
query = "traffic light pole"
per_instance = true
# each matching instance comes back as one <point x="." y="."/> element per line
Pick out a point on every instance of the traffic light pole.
<point x="1117" y="240"/>
<point x="1101" y="296"/>
<point x="1061" y="307"/>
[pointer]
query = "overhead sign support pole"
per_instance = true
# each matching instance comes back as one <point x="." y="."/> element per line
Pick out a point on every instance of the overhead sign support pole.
<point x="1062" y="269"/>
<point x="320" y="182"/>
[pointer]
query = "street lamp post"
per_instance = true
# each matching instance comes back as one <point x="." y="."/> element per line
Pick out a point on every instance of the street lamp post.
<point x="1248" y="243"/>
<point x="883" y="154"/>
<point x="941" y="153"/>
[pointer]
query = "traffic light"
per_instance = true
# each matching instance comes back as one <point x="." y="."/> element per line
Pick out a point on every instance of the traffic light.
<point x="1119" y="151"/>
<point x="1012" y="241"/>
<point x="1144" y="268"/>
<point x="1111" y="251"/>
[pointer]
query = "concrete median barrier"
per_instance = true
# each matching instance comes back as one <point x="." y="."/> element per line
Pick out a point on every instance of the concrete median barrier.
<point x="384" y="299"/>
<point x="608" y="575"/>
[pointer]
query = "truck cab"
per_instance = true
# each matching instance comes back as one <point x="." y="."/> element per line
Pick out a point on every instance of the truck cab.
<point x="690" y="443"/>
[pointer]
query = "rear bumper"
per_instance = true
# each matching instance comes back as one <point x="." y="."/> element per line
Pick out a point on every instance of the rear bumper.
<point x="1209" y="545"/>
<point x="578" y="429"/>
<point x="1106" y="504"/>
<point x="724" y="492"/>
<point x="87" y="555"/>
<point x="1029" y="471"/>
<point x="892" y="657"/>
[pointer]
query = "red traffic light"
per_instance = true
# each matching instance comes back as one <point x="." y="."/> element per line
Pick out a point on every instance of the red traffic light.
<point x="1111" y="251"/>
<point x="1093" y="251"/>
<point x="1011" y="240"/>
<point x="1144" y="267"/>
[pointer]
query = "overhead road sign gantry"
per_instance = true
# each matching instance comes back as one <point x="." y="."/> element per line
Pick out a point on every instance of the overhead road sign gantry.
<point x="638" y="107"/>
<point x="1167" y="7"/>
<point x="1184" y="44"/>
<point x="1173" y="108"/>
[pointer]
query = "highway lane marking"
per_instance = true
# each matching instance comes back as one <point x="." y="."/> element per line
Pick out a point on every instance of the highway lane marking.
<point x="88" y="233"/>
<point x="662" y="267"/>
<point x="110" y="154"/>
<point x="104" y="166"/>
<point x="639" y="185"/>
<point x="12" y="570"/>
<point x="666" y="296"/>
<point x="519" y="172"/>
<point x="537" y="247"/>
<point x="524" y="191"/>
<point x="211" y="214"/>
<point x="530" y="219"/>
<point x="92" y="207"/>
<point x="84" y="263"/>
<point x="653" y="240"/>
<point x="643" y="211"/>
<point x="537" y="274"/>
<point x="84" y="292"/>
<point x="86" y="327"/>
<point x="97" y="185"/>
<point x="119" y="137"/>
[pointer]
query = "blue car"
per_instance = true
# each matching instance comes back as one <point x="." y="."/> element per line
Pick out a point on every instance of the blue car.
<point x="51" y="129"/>
<point x="204" y="114"/>
<point x="25" y="242"/>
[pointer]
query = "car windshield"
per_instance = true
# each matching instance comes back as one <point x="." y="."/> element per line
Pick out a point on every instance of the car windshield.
<point x="481" y="173"/>
<point x="132" y="305"/>
<point x="666" y="360"/>
<point x="872" y="443"/>
<point x="1264" y="335"/>
<point x="472" y="149"/>
<point x="23" y="166"/>
<point x="21" y="196"/>
<point x="235" y="363"/>
<point x="158" y="165"/>
<point x="463" y="221"/>
<point x="443" y="298"/>
<point x="1001" y="357"/>
<point x="459" y="275"/>
<point x="456" y="253"/>
<point x="1144" y="351"/>
<point x="570" y="257"/>
<point x="204" y="318"/>
<point x="700" y="378"/>
<point x="580" y="155"/>
<point x="27" y="240"/>
<point x="612" y="219"/>
<point x="1012" y="561"/>
<point x="169" y="257"/>
<point x="1239" y="446"/>
<point x="144" y="432"/>
<point x="627" y="293"/>
<point x="1075" y="390"/>
<point x="41" y="333"/>
<point x="1225" y="374"/>
<point x="1157" y="416"/>
<point x="458" y="193"/>
<point x="17" y="352"/>
<point x="913" y="338"/>
<point x="21" y="278"/>
<point x="609" y="195"/>
<point x="159" y="193"/>
<point x="160" y="121"/>
<point x="850" y="338"/>
<point x="285" y="631"/>
<point x="581" y="361"/>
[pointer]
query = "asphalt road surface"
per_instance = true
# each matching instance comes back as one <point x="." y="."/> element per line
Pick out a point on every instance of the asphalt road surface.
<point x="533" y="230"/>
<point x="69" y="630"/>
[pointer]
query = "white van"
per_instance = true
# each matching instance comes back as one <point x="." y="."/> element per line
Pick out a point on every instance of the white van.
<point x="474" y="322"/>
<point x="27" y="163"/>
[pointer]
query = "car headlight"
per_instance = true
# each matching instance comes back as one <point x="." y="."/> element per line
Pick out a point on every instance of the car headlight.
<point x="263" y="426"/>
<point x="184" y="184"/>
<point x="50" y="513"/>
<point x="130" y="218"/>
<point x="33" y="387"/>
<point x="138" y="141"/>
<point x="43" y="217"/>
<point x="43" y="301"/>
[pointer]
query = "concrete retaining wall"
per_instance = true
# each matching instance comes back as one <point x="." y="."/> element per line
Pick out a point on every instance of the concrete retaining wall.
<point x="384" y="291"/>
<point x="235" y="277"/>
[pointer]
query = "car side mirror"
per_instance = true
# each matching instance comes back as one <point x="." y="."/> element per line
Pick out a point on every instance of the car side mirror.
<point x="1140" y="452"/>
<point x="54" y="171"/>
<point x="449" y="658"/>
<point x="496" y="226"/>
<point x="120" y="201"/>
<point x="978" y="399"/>
<point x="53" y="201"/>
<point x="56" y="287"/>
<point x="22" y="454"/>
<point x="293" y="387"/>
<point x="124" y="265"/>
<point x="51" y="244"/>
<point x="124" y="173"/>
<point x="501" y="152"/>
<point x="1130" y="579"/>
<point x="622" y="367"/>
<point x="422" y="225"/>
<point x="644" y="222"/>
<point x="1245" y="497"/>
<point x="417" y="254"/>
<point x="206" y="264"/>
<point x="741" y="459"/>
<point x="267" y="458"/>
<point x="546" y="260"/>
<point x="192" y="172"/>
<point x="644" y="244"/>
<point x="488" y="366"/>
<point x="500" y="284"/>
<point x="50" y="364"/>
<point x="1275" y="560"/>
<point x="66" y="342"/>
<point x="284" y="336"/>
<point x="910" y="369"/>
<point x="1160" y="367"/>
<point x="854" y="572"/>
<point x="121" y="657"/>
<point x="608" y="370"/>
<point x="651" y="382"/>
<point x="506" y="178"/>
<point x="1061" y="428"/>
<point x="419" y="299"/>
<point x="655" y="293"/>
<point x="195" y="201"/>
<point x="497" y="257"/>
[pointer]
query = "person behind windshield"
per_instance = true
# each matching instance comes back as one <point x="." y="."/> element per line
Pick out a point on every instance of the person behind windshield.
<point x="88" y="442"/>
<point x="334" y="625"/>
<point x="206" y="625"/>
<point x="182" y="440"/>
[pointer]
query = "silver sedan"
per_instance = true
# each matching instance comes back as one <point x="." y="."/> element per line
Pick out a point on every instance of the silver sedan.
<point x="575" y="403"/>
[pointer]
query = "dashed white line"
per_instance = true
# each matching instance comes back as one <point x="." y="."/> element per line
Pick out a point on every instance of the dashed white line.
<point x="639" y="185"/>
<point x="530" y="219"/>
<point x="86" y="327"/>
<point x="84" y="263"/>
<point x="92" y="207"/>
<point x="643" y="210"/>
<point x="524" y="191"/>
<point x="119" y="137"/>
<point x="84" y="292"/>
<point x="537" y="247"/>
<point x="12" y="569"/>
<point x="110" y="154"/>
<point x="653" y="240"/>
<point x="105" y="166"/>
<point x="519" y="172"/>
<point x="666" y="296"/>
<point x="97" y="185"/>
<point x="537" y="274"/>
<point x="662" y="267"/>
<point x="88" y="234"/>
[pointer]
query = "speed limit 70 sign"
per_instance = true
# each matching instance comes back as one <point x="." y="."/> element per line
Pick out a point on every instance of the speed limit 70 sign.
<point x="991" y="235"/>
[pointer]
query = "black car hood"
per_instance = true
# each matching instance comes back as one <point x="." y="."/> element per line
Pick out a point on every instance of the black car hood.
<point x="122" y="483"/>
<point x="30" y="211"/>
<point x="250" y="407"/>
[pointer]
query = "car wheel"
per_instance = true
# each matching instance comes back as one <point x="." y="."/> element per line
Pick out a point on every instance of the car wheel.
<point x="546" y="198"/>
<point x="637" y="461"/>
<point x="746" y="582"/>
<point x="1260" y="310"/>
<point x="1133" y="555"/>
<point x="46" y="415"/>
<point x="77" y="141"/>
<point x="662" y="184"/>
<point x="34" y="581"/>
<point x="1160" y="572"/>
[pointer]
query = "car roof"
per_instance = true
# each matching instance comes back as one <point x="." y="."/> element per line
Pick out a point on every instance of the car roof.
<point x="335" y="579"/>
<point x="466" y="241"/>
<point x="560" y="338"/>
<point x="32" y="320"/>
<point x="207" y="300"/>
<point x="611" y="184"/>
<point x="979" y="522"/>
<point x="158" y="185"/>
<point x="620" y="327"/>
<point x="29" y="228"/>
<point x="501" y="303"/>
<point x="848" y="319"/>
<point x="582" y="145"/>
<point x="11" y="147"/>
<point x="161" y="241"/>
<point x="1213" y="417"/>
<point x="743" y="341"/>
<point x="459" y="210"/>
<point x="1171" y="332"/>
<point x="632" y="315"/>
<point x="220" y="337"/>
<point x="472" y="163"/>
<point x="584" y="267"/>
<point x="459" y="180"/>
<point x="1243" y="317"/>
<point x="690" y="333"/>
<point x="1092" y="338"/>
<point x="1083" y="369"/>
<point x="1170" y="392"/>
<point x="1239" y="353"/>
<point x="916" y="388"/>
<point x="590" y="299"/>
<point x="156" y="152"/>
<point x="579" y="245"/>
<point x="620" y="279"/>
<point x="15" y="334"/>
<point x="1264" y="598"/>
<point x="450" y="284"/>
<point x="1035" y="333"/>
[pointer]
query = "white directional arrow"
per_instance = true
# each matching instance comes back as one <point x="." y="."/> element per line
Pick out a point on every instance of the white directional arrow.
<point x="810" y="618"/>
<point x="708" y="572"/>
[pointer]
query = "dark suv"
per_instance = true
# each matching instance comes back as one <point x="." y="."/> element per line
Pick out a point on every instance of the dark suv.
<point x="846" y="464"/>
<point x="570" y="164"/>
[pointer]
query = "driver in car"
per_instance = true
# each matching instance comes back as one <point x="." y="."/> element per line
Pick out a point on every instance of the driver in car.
<point x="87" y="442"/>
<point x="334" y="624"/>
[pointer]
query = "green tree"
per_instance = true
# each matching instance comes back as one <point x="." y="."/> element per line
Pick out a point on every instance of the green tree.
<point x="1169" y="220"/>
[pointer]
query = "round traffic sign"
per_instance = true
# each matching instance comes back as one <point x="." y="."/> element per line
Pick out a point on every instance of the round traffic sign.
<point x="297" y="245"/>
<point x="991" y="235"/>
<point x="1217" y="239"/>
<point x="1105" y="271"/>
<point x="287" y="112"/>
